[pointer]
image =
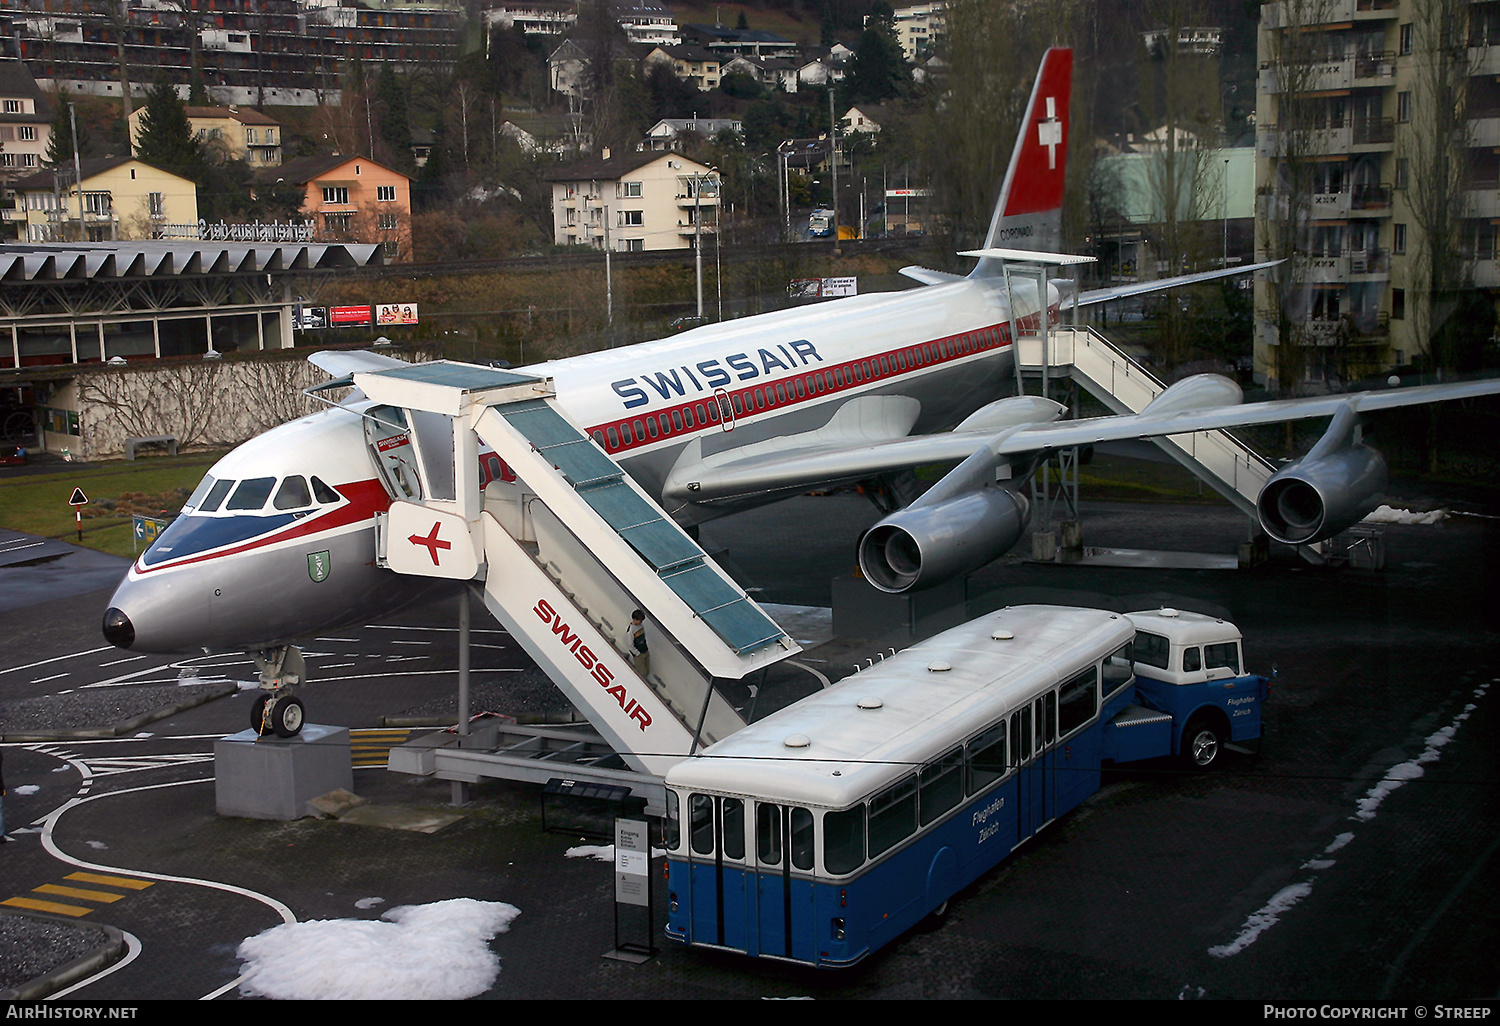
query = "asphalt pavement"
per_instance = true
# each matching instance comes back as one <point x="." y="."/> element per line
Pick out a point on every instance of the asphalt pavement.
<point x="1300" y="874"/>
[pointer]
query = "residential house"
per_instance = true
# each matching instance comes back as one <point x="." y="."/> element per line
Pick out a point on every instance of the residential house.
<point x="820" y="72"/>
<point x="644" y="200"/>
<point x="689" y="63"/>
<point x="865" y="118"/>
<point x="241" y="133"/>
<point x="352" y="199"/>
<point x="25" y="128"/>
<point x="919" y="28"/>
<point x="534" y="19"/>
<point x="665" y="133"/>
<point x="646" y="21"/>
<point x="728" y="42"/>
<point x="567" y="69"/>
<point x="122" y="198"/>
<point x="771" y="72"/>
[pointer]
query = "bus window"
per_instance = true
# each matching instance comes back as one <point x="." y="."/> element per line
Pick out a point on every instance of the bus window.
<point x="671" y="834"/>
<point x="986" y="757"/>
<point x="1046" y="708"/>
<point x="940" y="786"/>
<point x="701" y="829"/>
<point x="734" y="828"/>
<point x="1021" y="723"/>
<point x="1152" y="649"/>
<point x="844" y="840"/>
<point x="1192" y="659"/>
<point x="893" y="816"/>
<point x="1227" y="654"/>
<point x="767" y="834"/>
<point x="801" y="834"/>
<point x="1078" y="700"/>
<point x="1117" y="669"/>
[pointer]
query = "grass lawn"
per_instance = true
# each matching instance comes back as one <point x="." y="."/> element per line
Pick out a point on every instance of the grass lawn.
<point x="38" y="503"/>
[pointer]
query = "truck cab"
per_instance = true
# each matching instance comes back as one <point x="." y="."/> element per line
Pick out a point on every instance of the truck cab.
<point x="1193" y="694"/>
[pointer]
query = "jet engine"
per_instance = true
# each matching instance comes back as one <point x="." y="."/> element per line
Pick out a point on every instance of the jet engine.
<point x="925" y="545"/>
<point x="1331" y="488"/>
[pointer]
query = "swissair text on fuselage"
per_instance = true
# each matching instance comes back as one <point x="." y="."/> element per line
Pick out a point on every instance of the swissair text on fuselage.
<point x="711" y="374"/>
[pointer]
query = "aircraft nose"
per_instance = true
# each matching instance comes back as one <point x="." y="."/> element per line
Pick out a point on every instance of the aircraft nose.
<point x="118" y="630"/>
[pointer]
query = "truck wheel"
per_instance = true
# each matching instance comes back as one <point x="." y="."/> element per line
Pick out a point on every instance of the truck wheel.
<point x="1202" y="744"/>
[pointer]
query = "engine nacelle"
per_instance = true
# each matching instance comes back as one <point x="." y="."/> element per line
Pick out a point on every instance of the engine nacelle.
<point x="1314" y="499"/>
<point x="923" y="546"/>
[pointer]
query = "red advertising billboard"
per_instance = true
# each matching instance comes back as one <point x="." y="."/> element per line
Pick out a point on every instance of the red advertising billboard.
<point x="349" y="316"/>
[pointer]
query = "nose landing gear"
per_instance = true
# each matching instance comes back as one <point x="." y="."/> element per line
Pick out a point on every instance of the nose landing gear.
<point x="276" y="710"/>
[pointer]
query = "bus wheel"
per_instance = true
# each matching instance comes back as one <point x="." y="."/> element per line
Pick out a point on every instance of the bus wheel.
<point x="1202" y="745"/>
<point x="934" y="919"/>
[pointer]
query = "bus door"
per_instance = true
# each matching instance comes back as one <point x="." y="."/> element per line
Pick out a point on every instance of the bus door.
<point x="784" y="890"/>
<point x="716" y="870"/>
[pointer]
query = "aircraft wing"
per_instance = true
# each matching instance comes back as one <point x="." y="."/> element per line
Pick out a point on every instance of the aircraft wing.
<point x="927" y="276"/>
<point x="825" y="461"/>
<point x="1138" y="288"/>
<point x="342" y="363"/>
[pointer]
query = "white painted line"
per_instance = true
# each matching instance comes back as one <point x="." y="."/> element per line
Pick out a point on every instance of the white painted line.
<point x="58" y="659"/>
<point x="127" y="659"/>
<point x="43" y="680"/>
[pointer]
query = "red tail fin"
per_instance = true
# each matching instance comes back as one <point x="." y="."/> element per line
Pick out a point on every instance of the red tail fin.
<point x="1029" y="213"/>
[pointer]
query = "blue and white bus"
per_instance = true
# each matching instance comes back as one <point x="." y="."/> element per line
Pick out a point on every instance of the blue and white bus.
<point x="827" y="829"/>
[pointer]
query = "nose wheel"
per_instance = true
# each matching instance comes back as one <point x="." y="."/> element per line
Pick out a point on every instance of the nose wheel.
<point x="276" y="710"/>
<point x="282" y="715"/>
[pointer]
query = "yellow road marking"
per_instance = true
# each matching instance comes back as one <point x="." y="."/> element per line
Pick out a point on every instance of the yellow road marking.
<point x="110" y="881"/>
<point x="47" y="906"/>
<point x="76" y="892"/>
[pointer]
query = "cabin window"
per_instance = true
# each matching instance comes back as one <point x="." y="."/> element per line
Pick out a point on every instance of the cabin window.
<point x="760" y="399"/>
<point x="293" y="494"/>
<point x="893" y="816"/>
<point x="666" y="424"/>
<point x="671" y="834"/>
<point x="780" y="392"/>
<point x="651" y="427"/>
<point x="640" y="430"/>
<point x="599" y="437"/>
<point x="801" y="392"/>
<point x="251" y="494"/>
<point x="1077" y="701"/>
<point x="838" y="376"/>
<point x="941" y="786"/>
<point x="702" y="414"/>
<point x="739" y="405"/>
<point x="844" y="840"/>
<point x="625" y="434"/>
<point x="1117" y="669"/>
<point x="734" y="828"/>
<point x="986" y="758"/>
<point x="869" y="370"/>
<point x="885" y="365"/>
<point x="677" y="420"/>
<point x="1192" y="659"/>
<point x="614" y="439"/>
<point x="1227" y="654"/>
<point x="768" y="834"/>
<point x="713" y="412"/>
<point x="1152" y="649"/>
<point x="802" y="839"/>
<point x="701" y="825"/>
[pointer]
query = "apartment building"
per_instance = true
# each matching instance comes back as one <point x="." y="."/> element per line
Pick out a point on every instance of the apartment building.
<point x="121" y="198"/>
<point x="242" y="133"/>
<point x="636" y="201"/>
<point x="1341" y="122"/>
<point x="352" y="199"/>
<point x="25" y="128"/>
<point x="919" y="28"/>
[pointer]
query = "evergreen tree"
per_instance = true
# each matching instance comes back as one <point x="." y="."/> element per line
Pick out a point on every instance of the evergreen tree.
<point x="878" y="70"/>
<point x="166" y="139"/>
<point x="395" y="122"/>
<point x="60" y="143"/>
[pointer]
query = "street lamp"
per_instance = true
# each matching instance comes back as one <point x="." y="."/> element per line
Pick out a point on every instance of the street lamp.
<point x="698" y="179"/>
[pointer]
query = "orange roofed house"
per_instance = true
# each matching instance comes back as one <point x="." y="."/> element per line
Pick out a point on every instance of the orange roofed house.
<point x="351" y="199"/>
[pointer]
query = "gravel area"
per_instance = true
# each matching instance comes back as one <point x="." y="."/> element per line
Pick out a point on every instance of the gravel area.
<point x="104" y="708"/>
<point x="30" y="948"/>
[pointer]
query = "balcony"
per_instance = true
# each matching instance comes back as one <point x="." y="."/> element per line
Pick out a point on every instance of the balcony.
<point x="1369" y="264"/>
<point x="1321" y="270"/>
<point x="1271" y="141"/>
<point x="1326" y="205"/>
<point x="1483" y="201"/>
<point x="1371" y="199"/>
<point x="1307" y="78"/>
<point x="1374" y="131"/>
<point x="1370" y="68"/>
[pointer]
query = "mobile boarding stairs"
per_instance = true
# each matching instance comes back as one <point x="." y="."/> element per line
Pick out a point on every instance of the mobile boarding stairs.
<point x="563" y="554"/>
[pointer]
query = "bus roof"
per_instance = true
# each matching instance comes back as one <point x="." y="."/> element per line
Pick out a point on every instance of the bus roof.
<point x="1181" y="627"/>
<point x="843" y="743"/>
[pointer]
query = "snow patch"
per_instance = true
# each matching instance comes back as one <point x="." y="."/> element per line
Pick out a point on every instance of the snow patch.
<point x="1388" y="515"/>
<point x="1263" y="920"/>
<point x="415" y="952"/>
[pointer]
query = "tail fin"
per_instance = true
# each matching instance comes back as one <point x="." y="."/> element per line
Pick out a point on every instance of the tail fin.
<point x="1029" y="212"/>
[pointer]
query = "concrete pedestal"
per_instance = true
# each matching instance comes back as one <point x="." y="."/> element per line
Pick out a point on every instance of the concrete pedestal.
<point x="273" y="777"/>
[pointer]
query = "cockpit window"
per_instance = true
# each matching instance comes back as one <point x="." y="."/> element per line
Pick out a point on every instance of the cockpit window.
<point x="203" y="489"/>
<point x="322" y="492"/>
<point x="208" y="495"/>
<point x="252" y="493"/>
<point x="292" y="494"/>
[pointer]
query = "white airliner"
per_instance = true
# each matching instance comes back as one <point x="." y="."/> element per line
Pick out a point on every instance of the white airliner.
<point x="278" y="540"/>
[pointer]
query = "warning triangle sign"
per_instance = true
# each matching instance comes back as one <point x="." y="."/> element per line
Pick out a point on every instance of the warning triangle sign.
<point x="78" y="498"/>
